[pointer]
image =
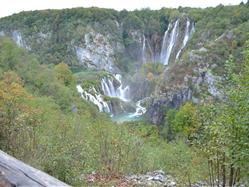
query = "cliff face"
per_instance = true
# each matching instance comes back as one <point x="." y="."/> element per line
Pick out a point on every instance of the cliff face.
<point x="193" y="45"/>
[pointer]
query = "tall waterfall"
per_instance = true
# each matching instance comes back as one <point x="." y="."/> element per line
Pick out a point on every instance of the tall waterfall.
<point x="164" y="45"/>
<point x="188" y="31"/>
<point x="169" y="44"/>
<point x="144" y="50"/>
<point x="147" y="52"/>
<point x="174" y="41"/>
<point x="151" y="52"/>
<point x="121" y="92"/>
<point x="95" y="98"/>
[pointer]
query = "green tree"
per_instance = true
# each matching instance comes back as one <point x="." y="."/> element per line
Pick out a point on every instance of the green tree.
<point x="64" y="74"/>
<point x="186" y="120"/>
<point x="225" y="129"/>
<point x="167" y="130"/>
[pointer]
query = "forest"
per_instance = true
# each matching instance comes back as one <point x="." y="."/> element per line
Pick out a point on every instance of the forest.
<point x="45" y="123"/>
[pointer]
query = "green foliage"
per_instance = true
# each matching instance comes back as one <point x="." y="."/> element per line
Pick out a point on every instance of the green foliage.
<point x="64" y="74"/>
<point x="181" y="123"/>
<point x="154" y="68"/>
<point x="133" y="22"/>
<point x="225" y="129"/>
<point x="219" y="129"/>
<point x="186" y="120"/>
<point x="39" y="127"/>
<point x="9" y="54"/>
<point x="167" y="131"/>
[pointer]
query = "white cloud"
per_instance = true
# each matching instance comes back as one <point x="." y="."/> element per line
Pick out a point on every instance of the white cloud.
<point x="9" y="7"/>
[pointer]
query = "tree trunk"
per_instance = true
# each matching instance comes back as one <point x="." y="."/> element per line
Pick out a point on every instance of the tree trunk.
<point x="218" y="171"/>
<point x="224" y="171"/>
<point x="231" y="175"/>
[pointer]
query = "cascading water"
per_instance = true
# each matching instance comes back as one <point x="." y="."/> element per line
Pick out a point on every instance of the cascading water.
<point x="144" y="50"/>
<point x="151" y="52"/>
<point x="188" y="33"/>
<point x="108" y="88"/>
<point x="140" y="110"/>
<point x="147" y="51"/>
<point x="164" y="45"/>
<point x="169" y="44"/>
<point x="121" y="92"/>
<point x="172" y="38"/>
<point x="95" y="99"/>
<point x="113" y="86"/>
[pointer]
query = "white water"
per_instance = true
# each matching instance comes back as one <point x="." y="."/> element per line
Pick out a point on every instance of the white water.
<point x="144" y="50"/>
<point x="171" y="37"/>
<point x="168" y="45"/>
<point x="121" y="92"/>
<point x="140" y="110"/>
<point x="95" y="99"/>
<point x="150" y="49"/>
<point x="164" y="45"/>
<point x="188" y="33"/>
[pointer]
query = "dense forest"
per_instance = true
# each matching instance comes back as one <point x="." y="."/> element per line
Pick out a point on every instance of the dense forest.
<point x="45" y="122"/>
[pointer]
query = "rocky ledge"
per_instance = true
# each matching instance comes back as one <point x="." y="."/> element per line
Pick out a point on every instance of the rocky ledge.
<point x="155" y="178"/>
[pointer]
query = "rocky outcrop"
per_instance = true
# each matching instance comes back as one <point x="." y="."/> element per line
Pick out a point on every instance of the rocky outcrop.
<point x="192" y="87"/>
<point x="158" y="105"/>
<point x="155" y="178"/>
<point x="119" y="106"/>
<point x="140" y="87"/>
<point x="17" y="37"/>
<point x="96" y="52"/>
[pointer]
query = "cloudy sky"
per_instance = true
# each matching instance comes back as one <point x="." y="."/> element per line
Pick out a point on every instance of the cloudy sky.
<point x="9" y="7"/>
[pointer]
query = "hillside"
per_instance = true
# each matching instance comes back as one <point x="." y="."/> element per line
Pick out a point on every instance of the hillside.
<point x="81" y="90"/>
<point x="122" y="42"/>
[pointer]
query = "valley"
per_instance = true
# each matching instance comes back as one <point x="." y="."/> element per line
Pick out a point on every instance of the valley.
<point x="99" y="97"/>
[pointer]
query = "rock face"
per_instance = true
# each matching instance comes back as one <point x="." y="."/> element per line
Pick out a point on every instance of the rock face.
<point x="17" y="37"/>
<point x="96" y="53"/>
<point x="155" y="178"/>
<point x="140" y="88"/>
<point x="157" y="106"/>
<point x="118" y="45"/>
<point x="14" y="173"/>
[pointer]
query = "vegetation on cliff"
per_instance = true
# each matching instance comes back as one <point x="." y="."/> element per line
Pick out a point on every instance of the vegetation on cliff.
<point x="45" y="123"/>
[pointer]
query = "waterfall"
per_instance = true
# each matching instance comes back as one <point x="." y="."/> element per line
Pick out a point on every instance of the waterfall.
<point x="188" y="32"/>
<point x="96" y="99"/>
<point x="168" y="45"/>
<point x="140" y="110"/>
<point x="164" y="45"/>
<point x="108" y="88"/>
<point x="151" y="52"/>
<point x="144" y="50"/>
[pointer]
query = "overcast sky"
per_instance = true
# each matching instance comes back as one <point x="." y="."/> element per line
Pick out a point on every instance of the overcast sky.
<point x="9" y="7"/>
